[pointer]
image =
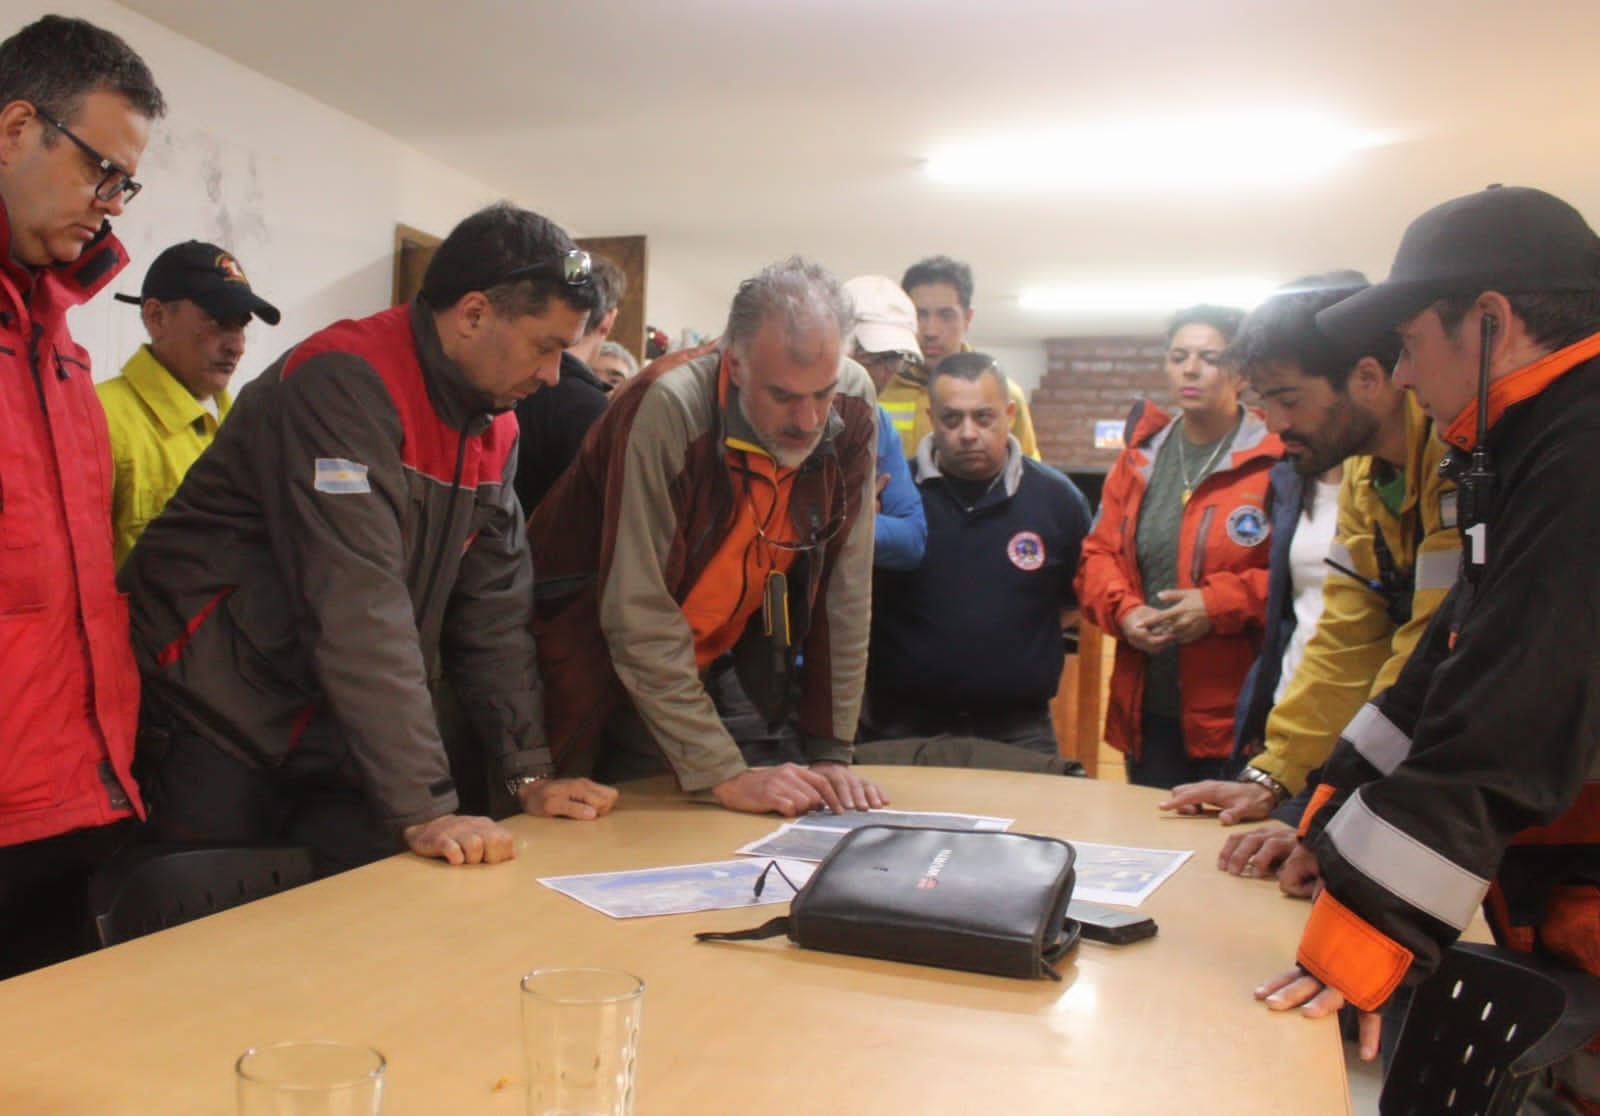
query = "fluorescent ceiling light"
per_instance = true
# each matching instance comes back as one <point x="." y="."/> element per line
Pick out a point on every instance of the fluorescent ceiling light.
<point x="1143" y="296"/>
<point x="1175" y="154"/>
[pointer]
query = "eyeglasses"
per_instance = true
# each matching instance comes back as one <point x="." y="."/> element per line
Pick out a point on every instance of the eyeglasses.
<point x="575" y="268"/>
<point x="891" y="363"/>
<point x="114" y="181"/>
<point x="819" y="532"/>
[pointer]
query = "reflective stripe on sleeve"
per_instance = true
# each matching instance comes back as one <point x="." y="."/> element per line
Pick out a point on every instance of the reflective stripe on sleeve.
<point x="1346" y="952"/>
<point x="1404" y="866"/>
<point x="1437" y="569"/>
<point x="1377" y="738"/>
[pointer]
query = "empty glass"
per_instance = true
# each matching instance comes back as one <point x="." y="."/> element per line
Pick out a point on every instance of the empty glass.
<point x="580" y="1039"/>
<point x="310" y="1079"/>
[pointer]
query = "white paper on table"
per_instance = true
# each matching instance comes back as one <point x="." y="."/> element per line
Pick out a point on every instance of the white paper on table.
<point x="1122" y="876"/>
<point x="681" y="888"/>
<point x="813" y="836"/>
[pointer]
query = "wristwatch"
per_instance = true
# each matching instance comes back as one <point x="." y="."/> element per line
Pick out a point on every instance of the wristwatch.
<point x="1260" y="778"/>
<point x="515" y="783"/>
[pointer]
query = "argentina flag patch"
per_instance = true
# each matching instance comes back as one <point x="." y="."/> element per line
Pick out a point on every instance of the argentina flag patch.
<point x="341" y="477"/>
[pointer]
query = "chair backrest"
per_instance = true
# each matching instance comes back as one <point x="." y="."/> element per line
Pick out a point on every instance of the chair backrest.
<point x="1482" y="1026"/>
<point x="147" y="888"/>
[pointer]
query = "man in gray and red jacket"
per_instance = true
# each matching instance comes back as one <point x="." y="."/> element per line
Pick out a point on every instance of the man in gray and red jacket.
<point x="353" y="524"/>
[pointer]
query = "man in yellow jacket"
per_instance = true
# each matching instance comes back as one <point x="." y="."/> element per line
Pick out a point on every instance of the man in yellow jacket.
<point x="163" y="411"/>
<point x="941" y="289"/>
<point x="1394" y="556"/>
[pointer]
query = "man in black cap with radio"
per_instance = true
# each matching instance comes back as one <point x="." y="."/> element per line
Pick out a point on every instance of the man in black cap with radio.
<point x="1475" y="779"/>
<point x="164" y="409"/>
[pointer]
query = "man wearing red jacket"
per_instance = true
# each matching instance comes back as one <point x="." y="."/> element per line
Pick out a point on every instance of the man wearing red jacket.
<point x="1475" y="778"/>
<point x="76" y="104"/>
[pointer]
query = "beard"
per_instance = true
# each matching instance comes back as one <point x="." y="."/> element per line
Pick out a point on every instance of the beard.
<point x="791" y="458"/>
<point x="1353" y="433"/>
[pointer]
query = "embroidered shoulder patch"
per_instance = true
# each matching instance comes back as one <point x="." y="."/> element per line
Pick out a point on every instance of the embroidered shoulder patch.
<point x="1026" y="551"/>
<point x="341" y="477"/>
<point x="1248" y="526"/>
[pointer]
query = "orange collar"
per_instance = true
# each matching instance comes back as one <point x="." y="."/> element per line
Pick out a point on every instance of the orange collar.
<point x="1521" y="385"/>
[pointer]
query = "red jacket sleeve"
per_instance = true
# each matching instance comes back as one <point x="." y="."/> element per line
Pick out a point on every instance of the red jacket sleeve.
<point x="1108" y="575"/>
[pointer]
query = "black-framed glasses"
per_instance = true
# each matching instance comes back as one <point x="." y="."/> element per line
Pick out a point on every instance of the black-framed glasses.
<point x="575" y="268"/>
<point x="114" y="181"/>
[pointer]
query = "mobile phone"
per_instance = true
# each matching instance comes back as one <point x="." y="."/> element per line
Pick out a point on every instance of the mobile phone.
<point x="1107" y="924"/>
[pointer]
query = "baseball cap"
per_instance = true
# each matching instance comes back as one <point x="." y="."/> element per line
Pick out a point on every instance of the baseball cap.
<point x="207" y="276"/>
<point x="1510" y="239"/>
<point x="886" y="320"/>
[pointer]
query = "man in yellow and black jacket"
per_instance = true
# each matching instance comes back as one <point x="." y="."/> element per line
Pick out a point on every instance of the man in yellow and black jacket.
<point x="1395" y="551"/>
<point x="1477" y="775"/>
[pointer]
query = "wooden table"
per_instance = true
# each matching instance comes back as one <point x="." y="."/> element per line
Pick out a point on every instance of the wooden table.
<point x="422" y="961"/>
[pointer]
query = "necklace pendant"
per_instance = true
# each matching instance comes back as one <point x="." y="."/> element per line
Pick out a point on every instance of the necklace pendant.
<point x="1186" y="495"/>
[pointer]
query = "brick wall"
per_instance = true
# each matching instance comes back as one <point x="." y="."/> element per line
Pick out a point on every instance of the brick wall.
<point x="1090" y="379"/>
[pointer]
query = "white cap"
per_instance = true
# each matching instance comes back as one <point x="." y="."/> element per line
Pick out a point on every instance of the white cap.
<point x="886" y="320"/>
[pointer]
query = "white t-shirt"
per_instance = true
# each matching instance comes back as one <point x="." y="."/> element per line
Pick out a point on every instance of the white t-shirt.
<point x="1312" y="537"/>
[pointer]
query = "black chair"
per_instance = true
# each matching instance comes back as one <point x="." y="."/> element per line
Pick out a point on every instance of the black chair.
<point x="146" y="888"/>
<point x="1482" y="1027"/>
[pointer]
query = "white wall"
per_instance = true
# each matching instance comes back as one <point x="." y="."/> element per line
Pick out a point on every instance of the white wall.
<point x="307" y="198"/>
<point x="1025" y="364"/>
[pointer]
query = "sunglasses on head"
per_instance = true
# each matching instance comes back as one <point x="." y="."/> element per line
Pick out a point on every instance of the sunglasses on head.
<point x="575" y="268"/>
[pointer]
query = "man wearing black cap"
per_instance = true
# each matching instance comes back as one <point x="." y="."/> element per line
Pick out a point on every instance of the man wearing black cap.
<point x="352" y="526"/>
<point x="1476" y="777"/>
<point x="164" y="409"/>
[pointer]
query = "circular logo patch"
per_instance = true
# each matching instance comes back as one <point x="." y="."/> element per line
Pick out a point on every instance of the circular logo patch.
<point x="1248" y="526"/>
<point x="1026" y="551"/>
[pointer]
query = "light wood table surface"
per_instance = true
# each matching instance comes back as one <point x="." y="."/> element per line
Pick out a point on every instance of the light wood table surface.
<point x="422" y="961"/>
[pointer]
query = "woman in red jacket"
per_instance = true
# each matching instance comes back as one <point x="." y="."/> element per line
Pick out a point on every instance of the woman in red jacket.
<point x="1176" y="567"/>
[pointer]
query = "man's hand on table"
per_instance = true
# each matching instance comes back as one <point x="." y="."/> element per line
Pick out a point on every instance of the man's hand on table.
<point x="792" y="790"/>
<point x="583" y="799"/>
<point x="1300" y="875"/>
<point x="1238" y="802"/>
<point x="853" y="791"/>
<point x="1299" y="989"/>
<point x="1258" y="853"/>
<point x="461" y="839"/>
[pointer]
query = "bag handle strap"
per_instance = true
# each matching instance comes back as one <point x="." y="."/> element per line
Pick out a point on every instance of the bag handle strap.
<point x="772" y="928"/>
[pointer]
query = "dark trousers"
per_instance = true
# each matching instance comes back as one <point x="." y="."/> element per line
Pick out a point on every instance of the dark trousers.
<point x="1163" y="762"/>
<point x="44" y="895"/>
<point x="895" y="719"/>
<point x="198" y="792"/>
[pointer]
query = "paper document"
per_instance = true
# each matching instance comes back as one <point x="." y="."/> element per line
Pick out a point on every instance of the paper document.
<point x="1122" y="876"/>
<point x="681" y="888"/>
<point x="813" y="836"/>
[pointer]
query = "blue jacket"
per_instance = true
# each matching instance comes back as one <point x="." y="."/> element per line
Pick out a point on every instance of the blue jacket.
<point x="1285" y="498"/>
<point x="977" y="627"/>
<point x="901" y="531"/>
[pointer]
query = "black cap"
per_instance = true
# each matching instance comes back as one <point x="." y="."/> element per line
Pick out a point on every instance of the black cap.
<point x="1509" y="239"/>
<point x="207" y="276"/>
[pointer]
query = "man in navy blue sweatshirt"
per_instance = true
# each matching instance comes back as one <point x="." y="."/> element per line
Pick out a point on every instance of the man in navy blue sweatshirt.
<point x="969" y="643"/>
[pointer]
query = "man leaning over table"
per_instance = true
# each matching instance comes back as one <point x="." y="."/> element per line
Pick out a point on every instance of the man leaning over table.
<point x="1475" y="779"/>
<point x="353" y="524"/>
<point x="723" y="502"/>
